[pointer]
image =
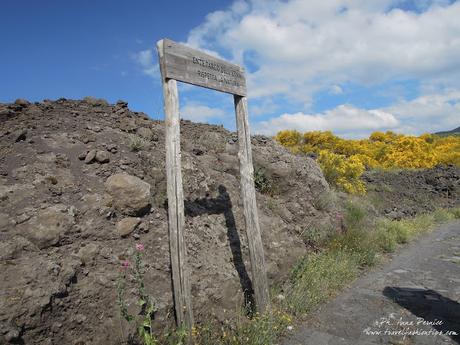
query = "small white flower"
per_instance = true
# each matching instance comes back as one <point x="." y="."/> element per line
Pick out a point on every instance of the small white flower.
<point x="290" y="328"/>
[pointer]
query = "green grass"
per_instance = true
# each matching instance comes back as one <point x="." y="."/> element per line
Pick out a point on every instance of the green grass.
<point x="325" y="201"/>
<point x="355" y="214"/>
<point x="318" y="277"/>
<point x="315" y="235"/>
<point x="260" y="330"/>
<point x="357" y="243"/>
<point x="443" y="215"/>
<point x="456" y="212"/>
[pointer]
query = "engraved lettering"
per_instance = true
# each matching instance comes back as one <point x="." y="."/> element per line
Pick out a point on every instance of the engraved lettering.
<point x="214" y="66"/>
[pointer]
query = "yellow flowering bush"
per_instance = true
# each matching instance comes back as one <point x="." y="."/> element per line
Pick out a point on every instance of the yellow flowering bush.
<point x="343" y="161"/>
<point x="289" y="138"/>
<point x="343" y="172"/>
<point x="409" y="152"/>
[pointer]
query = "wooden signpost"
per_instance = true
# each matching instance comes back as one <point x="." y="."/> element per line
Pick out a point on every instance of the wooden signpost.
<point x="178" y="62"/>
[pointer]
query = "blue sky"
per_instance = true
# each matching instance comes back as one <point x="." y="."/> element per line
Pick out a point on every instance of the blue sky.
<point x="350" y="66"/>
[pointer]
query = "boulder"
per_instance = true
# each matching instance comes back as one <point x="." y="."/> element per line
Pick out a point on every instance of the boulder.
<point x="102" y="157"/>
<point x="88" y="253"/>
<point x="19" y="135"/>
<point x="82" y="155"/>
<point x="47" y="227"/>
<point x="130" y="195"/>
<point x="127" y="225"/>
<point x="90" y="156"/>
<point x="145" y="133"/>
<point x="22" y="102"/>
<point x="122" y="104"/>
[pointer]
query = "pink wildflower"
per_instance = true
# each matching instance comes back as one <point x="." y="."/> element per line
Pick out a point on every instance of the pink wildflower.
<point x="125" y="264"/>
<point x="140" y="247"/>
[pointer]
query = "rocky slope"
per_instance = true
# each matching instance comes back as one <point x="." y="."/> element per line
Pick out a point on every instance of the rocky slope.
<point x="405" y="193"/>
<point x="81" y="182"/>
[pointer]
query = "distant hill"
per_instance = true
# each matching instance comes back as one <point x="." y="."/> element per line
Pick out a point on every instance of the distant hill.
<point x="455" y="131"/>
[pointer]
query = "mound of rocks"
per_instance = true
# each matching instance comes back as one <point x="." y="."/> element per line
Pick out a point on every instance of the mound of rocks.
<point x="405" y="193"/>
<point x="83" y="182"/>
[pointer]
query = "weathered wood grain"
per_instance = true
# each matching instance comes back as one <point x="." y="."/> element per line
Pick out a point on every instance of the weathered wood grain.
<point x="178" y="62"/>
<point x="194" y="67"/>
<point x="178" y="252"/>
<point x="256" y="250"/>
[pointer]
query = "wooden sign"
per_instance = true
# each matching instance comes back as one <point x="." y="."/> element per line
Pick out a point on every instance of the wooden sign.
<point x="178" y="62"/>
<point x="194" y="67"/>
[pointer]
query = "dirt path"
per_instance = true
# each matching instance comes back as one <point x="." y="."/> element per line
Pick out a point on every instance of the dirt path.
<point x="417" y="291"/>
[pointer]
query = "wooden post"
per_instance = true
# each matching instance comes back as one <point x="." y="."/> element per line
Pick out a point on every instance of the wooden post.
<point x="178" y="252"/>
<point x="178" y="62"/>
<point x="256" y="250"/>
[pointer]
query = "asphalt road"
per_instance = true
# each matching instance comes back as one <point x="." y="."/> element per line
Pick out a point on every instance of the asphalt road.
<point x="412" y="299"/>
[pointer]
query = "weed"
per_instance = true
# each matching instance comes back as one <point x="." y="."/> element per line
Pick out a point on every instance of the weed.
<point x="442" y="215"/>
<point x="325" y="201"/>
<point x="262" y="329"/>
<point x="316" y="235"/>
<point x="271" y="204"/>
<point x="317" y="277"/>
<point x="386" y="240"/>
<point x="144" y="323"/>
<point x="95" y="101"/>
<point x="376" y="200"/>
<point x="396" y="231"/>
<point x="386" y="188"/>
<point x="355" y="214"/>
<point x="356" y="242"/>
<point x="262" y="183"/>
<point x="136" y="143"/>
<point x="456" y="212"/>
<point x="422" y="223"/>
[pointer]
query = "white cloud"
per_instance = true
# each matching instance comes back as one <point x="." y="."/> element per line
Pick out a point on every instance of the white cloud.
<point x="200" y="113"/>
<point x="336" y="90"/>
<point x="342" y="120"/>
<point x="145" y="59"/>
<point x="427" y="113"/>
<point x="301" y="47"/>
